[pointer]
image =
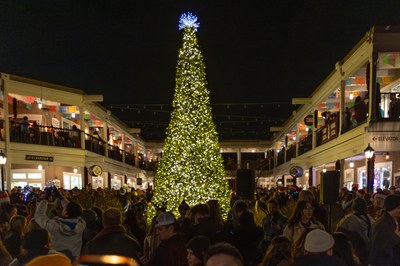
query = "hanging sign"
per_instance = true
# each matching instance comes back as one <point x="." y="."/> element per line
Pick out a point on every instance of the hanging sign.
<point x="309" y="120"/>
<point x="39" y="158"/>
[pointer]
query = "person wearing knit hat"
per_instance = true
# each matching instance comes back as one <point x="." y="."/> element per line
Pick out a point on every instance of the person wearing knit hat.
<point x="318" y="250"/>
<point x="4" y="198"/>
<point x="386" y="234"/>
<point x="196" y="248"/>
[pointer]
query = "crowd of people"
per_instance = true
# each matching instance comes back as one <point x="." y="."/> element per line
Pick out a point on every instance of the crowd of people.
<point x="285" y="226"/>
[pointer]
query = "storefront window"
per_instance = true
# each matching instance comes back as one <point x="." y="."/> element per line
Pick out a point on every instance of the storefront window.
<point x="116" y="183"/>
<point x="72" y="180"/>
<point x="97" y="182"/>
<point x="30" y="177"/>
<point x="382" y="176"/>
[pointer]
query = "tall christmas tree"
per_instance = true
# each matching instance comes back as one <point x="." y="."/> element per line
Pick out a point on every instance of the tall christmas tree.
<point x="191" y="167"/>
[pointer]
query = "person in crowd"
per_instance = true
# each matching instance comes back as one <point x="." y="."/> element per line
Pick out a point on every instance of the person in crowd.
<point x="151" y="241"/>
<point x="223" y="254"/>
<point x="274" y="222"/>
<point x="172" y="249"/>
<point x="215" y="212"/>
<point x="318" y="250"/>
<point x="247" y="237"/>
<point x="204" y="224"/>
<point x="196" y="248"/>
<point x="184" y="222"/>
<point x="343" y="250"/>
<point x="35" y="243"/>
<point x="13" y="239"/>
<point x="386" y="234"/>
<point x="5" y="257"/>
<point x="113" y="239"/>
<point x="238" y="207"/>
<point x="392" y="190"/>
<point x="91" y="229"/>
<point x="347" y="202"/>
<point x="360" y="110"/>
<point x="65" y="231"/>
<point x="319" y="210"/>
<point x="278" y="253"/>
<point x="24" y="127"/>
<point x="359" y="221"/>
<point x="302" y="217"/>
<point x="376" y="210"/>
<point x="136" y="221"/>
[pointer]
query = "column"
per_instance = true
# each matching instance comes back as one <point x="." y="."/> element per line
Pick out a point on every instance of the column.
<point x="370" y="174"/>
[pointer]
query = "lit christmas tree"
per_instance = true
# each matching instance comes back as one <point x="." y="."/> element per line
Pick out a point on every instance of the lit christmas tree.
<point x="191" y="167"/>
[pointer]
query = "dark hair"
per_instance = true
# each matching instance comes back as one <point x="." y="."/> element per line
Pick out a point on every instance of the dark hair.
<point x="201" y="209"/>
<point x="199" y="245"/>
<point x="343" y="248"/>
<point x="241" y="206"/>
<point x="298" y="212"/>
<point x="215" y="211"/>
<point x="223" y="248"/>
<point x="112" y="216"/>
<point x="74" y="210"/>
<point x="278" y="250"/>
<point x="35" y="239"/>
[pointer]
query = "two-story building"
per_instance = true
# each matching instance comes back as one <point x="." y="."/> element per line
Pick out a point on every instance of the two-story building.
<point x="356" y="106"/>
<point x="52" y="134"/>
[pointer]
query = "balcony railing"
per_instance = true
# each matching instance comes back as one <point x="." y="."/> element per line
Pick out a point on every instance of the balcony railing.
<point x="43" y="135"/>
<point x="305" y="144"/>
<point x="291" y="152"/>
<point x="114" y="153"/>
<point x="281" y="157"/>
<point x="95" y="144"/>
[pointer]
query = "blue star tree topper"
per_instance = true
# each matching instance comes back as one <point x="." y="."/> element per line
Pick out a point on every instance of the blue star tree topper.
<point x="188" y="20"/>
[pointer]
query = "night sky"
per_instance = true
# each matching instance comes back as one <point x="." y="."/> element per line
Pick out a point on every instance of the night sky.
<point x="258" y="54"/>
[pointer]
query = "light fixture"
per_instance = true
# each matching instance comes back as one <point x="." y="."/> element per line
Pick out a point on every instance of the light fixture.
<point x="324" y="170"/>
<point x="40" y="105"/>
<point x="351" y="96"/>
<point x="351" y="164"/>
<point x="387" y="156"/>
<point x="75" y="170"/>
<point x="3" y="158"/>
<point x="369" y="152"/>
<point x="306" y="174"/>
<point x="73" y="115"/>
<point x="40" y="167"/>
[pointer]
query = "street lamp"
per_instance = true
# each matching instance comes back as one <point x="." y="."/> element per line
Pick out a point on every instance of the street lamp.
<point x="369" y="155"/>
<point x="3" y="160"/>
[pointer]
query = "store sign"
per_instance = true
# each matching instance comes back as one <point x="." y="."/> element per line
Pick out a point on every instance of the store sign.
<point x="309" y="120"/>
<point x="39" y="158"/>
<point x="384" y="141"/>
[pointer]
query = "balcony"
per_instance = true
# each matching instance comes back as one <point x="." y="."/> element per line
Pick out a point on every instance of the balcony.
<point x="43" y="135"/>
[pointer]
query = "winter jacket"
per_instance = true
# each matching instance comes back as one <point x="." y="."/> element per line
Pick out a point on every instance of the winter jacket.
<point x="66" y="234"/>
<point x="113" y="240"/>
<point x="384" y="242"/>
<point x="171" y="252"/>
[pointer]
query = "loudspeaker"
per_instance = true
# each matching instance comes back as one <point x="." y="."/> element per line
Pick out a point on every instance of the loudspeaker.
<point x="329" y="191"/>
<point x="245" y="183"/>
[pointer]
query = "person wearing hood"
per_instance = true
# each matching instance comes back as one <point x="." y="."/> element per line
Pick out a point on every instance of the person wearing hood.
<point x="65" y="231"/>
<point x="359" y="221"/>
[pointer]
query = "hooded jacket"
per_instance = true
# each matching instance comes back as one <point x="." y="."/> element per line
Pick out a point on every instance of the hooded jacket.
<point x="66" y="234"/>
